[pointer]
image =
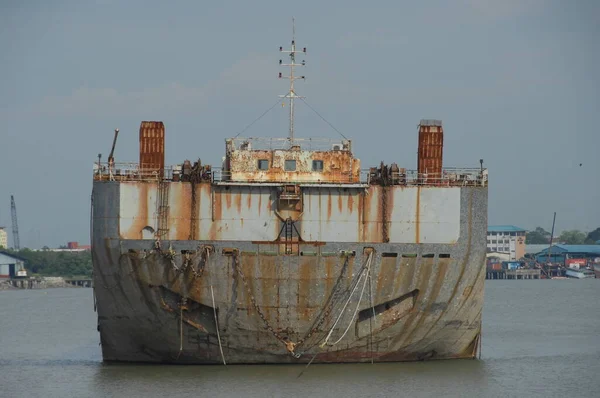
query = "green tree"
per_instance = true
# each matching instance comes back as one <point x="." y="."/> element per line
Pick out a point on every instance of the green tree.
<point x="538" y="236"/>
<point x="593" y="236"/>
<point x="573" y="237"/>
<point x="50" y="263"/>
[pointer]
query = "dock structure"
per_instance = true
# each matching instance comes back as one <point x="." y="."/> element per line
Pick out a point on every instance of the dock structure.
<point x="523" y="274"/>
<point x="47" y="282"/>
<point x="80" y="282"/>
<point x="25" y="283"/>
<point x="513" y="274"/>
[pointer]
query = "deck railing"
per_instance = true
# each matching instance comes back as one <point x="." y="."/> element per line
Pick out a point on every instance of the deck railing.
<point x="223" y="176"/>
<point x="449" y="176"/>
<point x="129" y="171"/>
<point x="274" y="143"/>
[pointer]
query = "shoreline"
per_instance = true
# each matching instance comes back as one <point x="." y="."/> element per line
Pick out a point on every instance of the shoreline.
<point x="43" y="282"/>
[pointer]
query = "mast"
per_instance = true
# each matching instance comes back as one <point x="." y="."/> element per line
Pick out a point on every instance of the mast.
<point x="548" y="258"/>
<point x="291" y="93"/>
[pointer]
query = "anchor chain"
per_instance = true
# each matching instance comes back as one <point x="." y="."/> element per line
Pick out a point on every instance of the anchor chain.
<point x="333" y="302"/>
<point x="330" y="305"/>
<point x="290" y="346"/>
<point x="186" y="261"/>
<point x="203" y="263"/>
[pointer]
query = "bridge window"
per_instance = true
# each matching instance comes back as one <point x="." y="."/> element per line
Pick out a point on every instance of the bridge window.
<point x="290" y="165"/>
<point x="317" y="165"/>
<point x="263" y="164"/>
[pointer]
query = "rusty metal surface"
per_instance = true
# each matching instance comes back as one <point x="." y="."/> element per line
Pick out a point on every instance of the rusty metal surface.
<point x="289" y="254"/>
<point x="241" y="213"/>
<point x="338" y="166"/>
<point x="139" y="286"/>
<point x="451" y="177"/>
<point x="431" y="148"/>
<point x="152" y="146"/>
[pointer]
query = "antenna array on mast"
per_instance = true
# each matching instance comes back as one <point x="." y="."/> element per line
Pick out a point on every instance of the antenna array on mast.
<point x="291" y="93"/>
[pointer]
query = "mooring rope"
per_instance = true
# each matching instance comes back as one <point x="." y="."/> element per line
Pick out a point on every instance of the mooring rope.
<point x="180" y="330"/>
<point x="217" y="325"/>
<point x="368" y="269"/>
<point x="212" y="295"/>
<point x="373" y="317"/>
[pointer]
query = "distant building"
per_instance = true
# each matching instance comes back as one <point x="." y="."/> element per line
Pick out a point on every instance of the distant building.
<point x="569" y="255"/>
<point x="506" y="239"/>
<point x="535" y="248"/>
<point x="10" y="265"/>
<point x="3" y="238"/>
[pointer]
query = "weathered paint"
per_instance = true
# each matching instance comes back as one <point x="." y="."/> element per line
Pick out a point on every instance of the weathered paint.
<point x="440" y="317"/>
<point x="152" y="146"/>
<point x="425" y="215"/>
<point x="248" y="213"/>
<point x="338" y="166"/>
<point x="431" y="148"/>
<point x="162" y="247"/>
<point x="137" y="209"/>
<point x="330" y="215"/>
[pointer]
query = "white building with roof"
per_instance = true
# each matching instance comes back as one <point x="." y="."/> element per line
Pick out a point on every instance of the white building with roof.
<point x="10" y="266"/>
<point x="506" y="239"/>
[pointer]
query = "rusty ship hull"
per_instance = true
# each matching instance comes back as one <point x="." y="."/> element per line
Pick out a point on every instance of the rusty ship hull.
<point x="372" y="272"/>
<point x="288" y="252"/>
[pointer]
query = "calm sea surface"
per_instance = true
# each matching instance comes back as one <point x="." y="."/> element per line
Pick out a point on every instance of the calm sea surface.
<point x="541" y="338"/>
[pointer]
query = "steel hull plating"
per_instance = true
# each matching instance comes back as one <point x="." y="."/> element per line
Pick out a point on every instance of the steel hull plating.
<point x="422" y="300"/>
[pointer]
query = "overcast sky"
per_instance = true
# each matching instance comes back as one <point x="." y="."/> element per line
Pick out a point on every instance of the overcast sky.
<point x="514" y="81"/>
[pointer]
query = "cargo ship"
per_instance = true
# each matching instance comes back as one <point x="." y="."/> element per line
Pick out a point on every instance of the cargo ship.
<point x="288" y="252"/>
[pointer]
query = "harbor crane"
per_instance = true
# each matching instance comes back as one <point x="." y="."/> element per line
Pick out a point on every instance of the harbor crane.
<point x="15" y="224"/>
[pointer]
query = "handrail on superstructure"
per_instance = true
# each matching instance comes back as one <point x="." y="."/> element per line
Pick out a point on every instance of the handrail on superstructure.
<point x="278" y="143"/>
<point x="450" y="176"/>
<point x="129" y="171"/>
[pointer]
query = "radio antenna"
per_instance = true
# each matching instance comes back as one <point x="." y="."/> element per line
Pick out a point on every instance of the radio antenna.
<point x="291" y="95"/>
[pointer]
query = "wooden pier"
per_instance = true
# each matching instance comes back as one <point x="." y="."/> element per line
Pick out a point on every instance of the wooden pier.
<point x="81" y="282"/>
<point x="513" y="274"/>
<point x="49" y="282"/>
<point x="25" y="283"/>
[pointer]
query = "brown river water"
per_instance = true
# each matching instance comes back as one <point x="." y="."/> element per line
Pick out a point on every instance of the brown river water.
<point x="541" y="338"/>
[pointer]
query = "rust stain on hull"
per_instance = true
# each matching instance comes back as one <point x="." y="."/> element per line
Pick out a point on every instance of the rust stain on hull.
<point x="418" y="217"/>
<point x="385" y="279"/>
<point x="269" y="282"/>
<point x="305" y="282"/>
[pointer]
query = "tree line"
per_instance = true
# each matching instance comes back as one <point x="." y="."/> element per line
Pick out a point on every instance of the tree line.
<point x="570" y="237"/>
<point x="50" y="263"/>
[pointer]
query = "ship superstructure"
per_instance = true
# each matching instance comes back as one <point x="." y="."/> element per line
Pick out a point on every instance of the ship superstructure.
<point x="288" y="252"/>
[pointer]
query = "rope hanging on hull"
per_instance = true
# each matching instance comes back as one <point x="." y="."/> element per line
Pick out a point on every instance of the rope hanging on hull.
<point x="362" y="273"/>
